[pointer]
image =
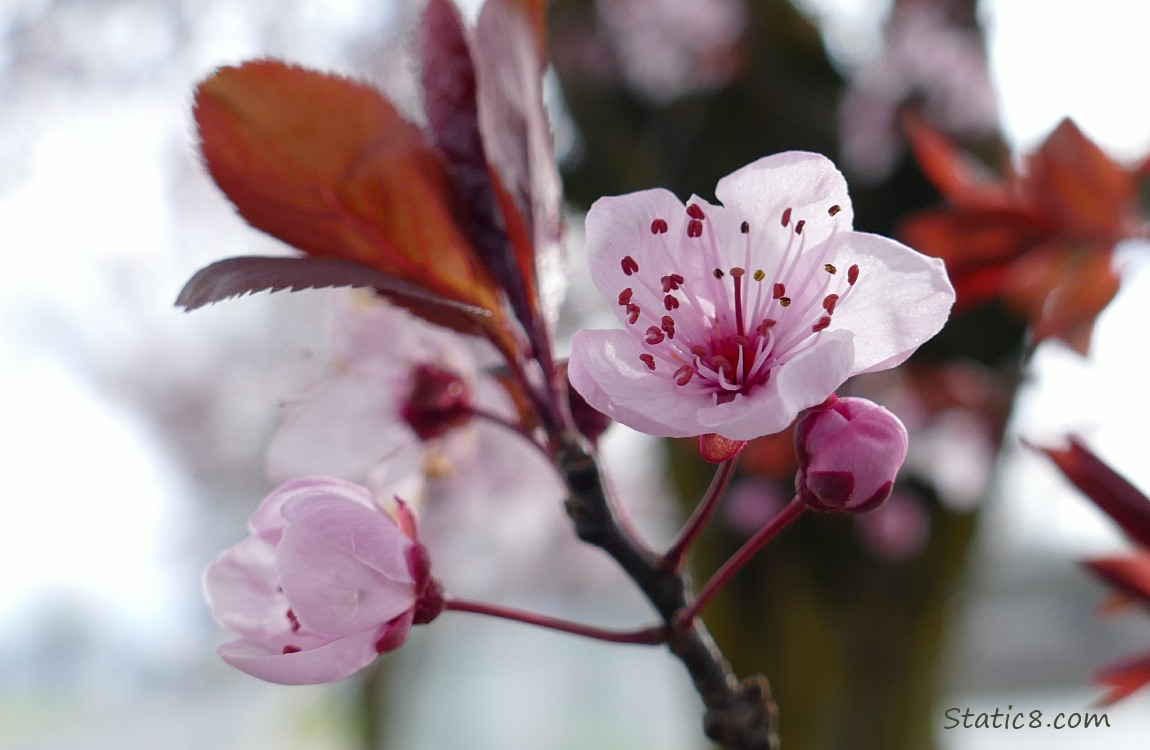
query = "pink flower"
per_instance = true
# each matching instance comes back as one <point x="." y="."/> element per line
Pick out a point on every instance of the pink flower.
<point x="326" y="582"/>
<point x="738" y="316"/>
<point x="849" y="451"/>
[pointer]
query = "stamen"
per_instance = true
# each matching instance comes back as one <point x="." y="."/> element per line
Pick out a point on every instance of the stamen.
<point x="293" y="620"/>
<point x="834" y="209"/>
<point x="694" y="228"/>
<point x="648" y="360"/>
<point x="799" y="226"/>
<point x="632" y="313"/>
<point x="785" y="301"/>
<point x="717" y="273"/>
<point x="684" y="374"/>
<point x="725" y="397"/>
<point x="852" y="275"/>
<point x="829" y="303"/>
<point x="654" y="335"/>
<point x="629" y="265"/>
<point x="780" y="291"/>
<point x="659" y="226"/>
<point x="786" y="217"/>
<point x="829" y="268"/>
<point x="670" y="302"/>
<point x="695" y="212"/>
<point x="764" y="328"/>
<point x="669" y="326"/>
<point x="822" y="323"/>
<point x="625" y="296"/>
<point x="292" y="649"/>
<point x="744" y="227"/>
<point x="699" y="351"/>
<point x="672" y="282"/>
<point x="719" y="363"/>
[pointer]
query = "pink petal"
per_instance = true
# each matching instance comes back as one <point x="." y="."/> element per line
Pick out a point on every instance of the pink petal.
<point x="620" y="227"/>
<point x="347" y="428"/>
<point x="902" y="299"/>
<point x="343" y="566"/>
<point x="606" y="370"/>
<point x="241" y="588"/>
<point x="326" y="663"/>
<point x="807" y="183"/>
<point x="802" y="382"/>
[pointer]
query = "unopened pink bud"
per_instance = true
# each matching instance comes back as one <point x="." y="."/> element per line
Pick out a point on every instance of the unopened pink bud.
<point x="849" y="451"/>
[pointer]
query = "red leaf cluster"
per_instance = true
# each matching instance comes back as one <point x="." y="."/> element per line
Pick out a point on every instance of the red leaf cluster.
<point x="1039" y="238"/>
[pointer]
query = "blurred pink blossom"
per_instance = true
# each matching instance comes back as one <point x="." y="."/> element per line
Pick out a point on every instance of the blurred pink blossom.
<point x="738" y="316"/>
<point x="326" y="581"/>
<point x="849" y="452"/>
<point x="668" y="48"/>
<point x="931" y="61"/>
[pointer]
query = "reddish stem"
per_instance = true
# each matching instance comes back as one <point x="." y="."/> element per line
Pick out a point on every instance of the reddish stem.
<point x="741" y="557"/>
<point x="647" y="636"/>
<point x="677" y="554"/>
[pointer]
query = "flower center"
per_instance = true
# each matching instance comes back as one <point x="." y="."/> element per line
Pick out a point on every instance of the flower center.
<point x="722" y="331"/>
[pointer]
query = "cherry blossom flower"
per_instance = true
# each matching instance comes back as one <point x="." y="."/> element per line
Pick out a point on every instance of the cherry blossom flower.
<point x="738" y="316"/>
<point x="326" y="582"/>
<point x="849" y="452"/>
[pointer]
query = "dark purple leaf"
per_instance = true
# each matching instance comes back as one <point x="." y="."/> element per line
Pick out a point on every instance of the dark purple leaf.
<point x="1119" y="499"/>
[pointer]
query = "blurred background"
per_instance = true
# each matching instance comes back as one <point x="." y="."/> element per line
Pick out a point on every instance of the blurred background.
<point x="132" y="435"/>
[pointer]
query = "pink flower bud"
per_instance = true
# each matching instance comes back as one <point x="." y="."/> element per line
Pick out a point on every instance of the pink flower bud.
<point x="327" y="581"/>
<point x="439" y="400"/>
<point x="849" y="451"/>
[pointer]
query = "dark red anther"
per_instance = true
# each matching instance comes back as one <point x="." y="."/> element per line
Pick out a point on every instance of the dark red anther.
<point x="744" y="227"/>
<point x="648" y="360"/>
<point x="669" y="326"/>
<point x="699" y="351"/>
<point x="799" y="226"/>
<point x="719" y="363"/>
<point x="779" y="291"/>
<point x="292" y="649"/>
<point x="717" y="273"/>
<point x="629" y="265"/>
<point x="834" y="209"/>
<point x="694" y="228"/>
<point x="671" y="282"/>
<point x="695" y="212"/>
<point x="293" y="620"/>
<point x="742" y="340"/>
<point x="659" y="226"/>
<point x="654" y="335"/>
<point x="829" y="303"/>
<point x="684" y="374"/>
<point x="821" y="323"/>
<point x="764" y="328"/>
<point x="852" y="275"/>
<point x="725" y="397"/>
<point x="786" y="217"/>
<point x="632" y="313"/>
<point x="670" y="302"/>
<point x="625" y="296"/>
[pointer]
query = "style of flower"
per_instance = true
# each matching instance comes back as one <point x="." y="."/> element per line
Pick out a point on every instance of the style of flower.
<point x="738" y="316"/>
<point x="326" y="582"/>
<point x="849" y="452"/>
